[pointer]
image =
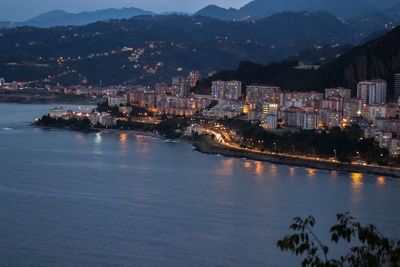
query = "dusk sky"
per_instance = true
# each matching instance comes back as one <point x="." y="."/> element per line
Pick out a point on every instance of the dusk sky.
<point x="24" y="9"/>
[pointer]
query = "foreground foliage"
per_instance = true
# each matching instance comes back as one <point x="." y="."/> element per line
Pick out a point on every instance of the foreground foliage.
<point x="371" y="247"/>
<point x="74" y="124"/>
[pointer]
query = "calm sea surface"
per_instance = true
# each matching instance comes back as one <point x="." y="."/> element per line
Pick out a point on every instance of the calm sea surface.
<point x="75" y="199"/>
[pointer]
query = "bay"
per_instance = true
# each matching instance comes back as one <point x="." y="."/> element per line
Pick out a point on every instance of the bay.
<point x="115" y="199"/>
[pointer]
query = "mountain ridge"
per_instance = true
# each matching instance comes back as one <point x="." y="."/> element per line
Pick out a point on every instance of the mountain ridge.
<point x="262" y="8"/>
<point x="356" y="11"/>
<point x="59" y="17"/>
<point x="163" y="44"/>
<point x="376" y="59"/>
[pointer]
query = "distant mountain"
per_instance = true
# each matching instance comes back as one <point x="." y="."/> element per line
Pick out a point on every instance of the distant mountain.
<point x="373" y="24"/>
<point x="369" y="15"/>
<point x="264" y="8"/>
<point x="340" y="8"/>
<point x="178" y="13"/>
<point x="384" y="4"/>
<point x="5" y="24"/>
<point x="62" y="18"/>
<point x="158" y="47"/>
<point x="217" y="12"/>
<point x="393" y="12"/>
<point x="376" y="24"/>
<point x="377" y="59"/>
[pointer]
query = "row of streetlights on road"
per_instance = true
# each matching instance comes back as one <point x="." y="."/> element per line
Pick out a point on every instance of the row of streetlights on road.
<point x="294" y="150"/>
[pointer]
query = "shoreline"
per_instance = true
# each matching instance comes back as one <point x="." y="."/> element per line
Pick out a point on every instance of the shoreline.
<point x="39" y="102"/>
<point x="209" y="147"/>
<point x="98" y="130"/>
<point x="44" y="99"/>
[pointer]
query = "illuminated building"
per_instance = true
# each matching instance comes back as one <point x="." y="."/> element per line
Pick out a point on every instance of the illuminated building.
<point x="339" y="92"/>
<point x="352" y="108"/>
<point x="310" y="121"/>
<point x="58" y="112"/>
<point x="184" y="90"/>
<point x="116" y="101"/>
<point x="181" y="106"/>
<point x="194" y="77"/>
<point x="330" y="118"/>
<point x="292" y="117"/>
<point x="372" y="92"/>
<point x="269" y="108"/>
<point x="180" y="87"/>
<point x="226" y="90"/>
<point x="259" y="94"/>
<point x="301" y="99"/>
<point x="270" y="121"/>
<point x="176" y="85"/>
<point x="376" y="111"/>
<point x="162" y="88"/>
<point x="225" y="109"/>
<point x="332" y="103"/>
<point x="107" y="121"/>
<point x="397" y="86"/>
<point x="387" y="125"/>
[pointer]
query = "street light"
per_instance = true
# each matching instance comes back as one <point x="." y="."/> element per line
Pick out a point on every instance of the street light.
<point x="335" y="154"/>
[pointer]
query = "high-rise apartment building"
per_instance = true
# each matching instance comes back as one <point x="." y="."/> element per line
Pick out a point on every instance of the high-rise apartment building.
<point x="194" y="77"/>
<point x="258" y="94"/>
<point x="180" y="86"/>
<point x="339" y="92"/>
<point x="185" y="88"/>
<point x="372" y="92"/>
<point x="226" y="90"/>
<point x="397" y="86"/>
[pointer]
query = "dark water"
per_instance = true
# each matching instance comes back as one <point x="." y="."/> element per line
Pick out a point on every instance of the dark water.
<point x="74" y="199"/>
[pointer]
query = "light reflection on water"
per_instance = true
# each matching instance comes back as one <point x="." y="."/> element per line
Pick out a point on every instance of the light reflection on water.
<point x="113" y="199"/>
<point x="247" y="164"/>
<point x="357" y="185"/>
<point x="123" y="138"/>
<point x="311" y="172"/>
<point x="225" y="167"/>
<point x="381" y="180"/>
<point x="123" y="143"/>
<point x="143" y="143"/>
<point x="80" y="137"/>
<point x="273" y="170"/>
<point x="356" y="180"/>
<point x="292" y="171"/>
<point x="98" y="138"/>
<point x="259" y="168"/>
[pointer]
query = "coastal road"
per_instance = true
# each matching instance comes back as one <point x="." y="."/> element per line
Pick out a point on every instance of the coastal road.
<point x="223" y="137"/>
